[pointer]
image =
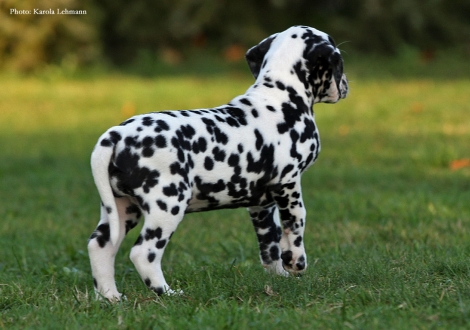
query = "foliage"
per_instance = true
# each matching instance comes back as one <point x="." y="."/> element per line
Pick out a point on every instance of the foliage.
<point x="385" y="26"/>
<point x="122" y="32"/>
<point x="29" y="41"/>
<point x="371" y="25"/>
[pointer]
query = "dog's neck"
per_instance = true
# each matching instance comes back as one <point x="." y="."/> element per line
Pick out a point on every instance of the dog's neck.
<point x="270" y="85"/>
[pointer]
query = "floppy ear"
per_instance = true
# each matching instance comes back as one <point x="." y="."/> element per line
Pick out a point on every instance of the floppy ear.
<point x="255" y="55"/>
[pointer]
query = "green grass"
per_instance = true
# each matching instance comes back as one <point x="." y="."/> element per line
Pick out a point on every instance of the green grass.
<point x="388" y="221"/>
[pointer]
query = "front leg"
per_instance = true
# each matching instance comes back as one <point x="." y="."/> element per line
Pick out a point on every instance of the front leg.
<point x="293" y="214"/>
<point x="268" y="231"/>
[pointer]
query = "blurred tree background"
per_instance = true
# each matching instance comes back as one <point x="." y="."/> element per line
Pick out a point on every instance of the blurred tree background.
<point x="120" y="32"/>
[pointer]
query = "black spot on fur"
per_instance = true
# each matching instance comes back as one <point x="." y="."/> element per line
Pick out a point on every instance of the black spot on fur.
<point x="170" y="190"/>
<point x="106" y="143"/>
<point x="300" y="265"/>
<point x="265" y="162"/>
<point x="280" y="85"/>
<point x="301" y="74"/>
<point x="158" y="232"/>
<point x="245" y="101"/>
<point x="202" y="144"/>
<point x="270" y="108"/>
<point x="220" y="136"/>
<point x="220" y="119"/>
<point x="131" y="141"/>
<point x="175" y="168"/>
<point x="130" y="224"/>
<point x="282" y="128"/>
<point x="102" y="234"/>
<point x="147" y="141"/>
<point x="153" y="233"/>
<point x="233" y="160"/>
<point x="115" y="137"/>
<point x="298" y="241"/>
<point x="274" y="253"/>
<point x="293" y="151"/>
<point x="206" y="189"/>
<point x="208" y="164"/>
<point x="159" y="291"/>
<point x="175" y="210"/>
<point x="124" y="123"/>
<point x="259" y="140"/>
<point x="161" y="244"/>
<point x="239" y="115"/>
<point x="130" y="175"/>
<point x="286" y="170"/>
<point x="215" y="131"/>
<point x="188" y="131"/>
<point x="286" y="257"/>
<point x="151" y="256"/>
<point x="147" y="152"/>
<point x="147" y="121"/>
<point x="232" y="122"/>
<point x="133" y="208"/>
<point x="309" y="131"/>
<point x="162" y="205"/>
<point x="161" y="126"/>
<point x="160" y="141"/>
<point x="219" y="155"/>
<point x="283" y="202"/>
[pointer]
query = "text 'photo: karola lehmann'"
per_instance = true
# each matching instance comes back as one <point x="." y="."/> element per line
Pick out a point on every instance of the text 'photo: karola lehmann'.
<point x="50" y="11"/>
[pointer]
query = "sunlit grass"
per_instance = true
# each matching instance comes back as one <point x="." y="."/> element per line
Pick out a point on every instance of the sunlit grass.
<point x="388" y="220"/>
<point x="33" y="105"/>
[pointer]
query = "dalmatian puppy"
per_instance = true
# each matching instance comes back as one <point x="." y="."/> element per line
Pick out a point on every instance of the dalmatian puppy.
<point x="249" y="153"/>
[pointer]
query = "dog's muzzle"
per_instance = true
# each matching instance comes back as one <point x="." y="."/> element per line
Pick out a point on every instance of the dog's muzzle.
<point x="343" y="87"/>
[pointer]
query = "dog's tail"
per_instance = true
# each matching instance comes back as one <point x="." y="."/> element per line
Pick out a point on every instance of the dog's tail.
<point x="100" y="160"/>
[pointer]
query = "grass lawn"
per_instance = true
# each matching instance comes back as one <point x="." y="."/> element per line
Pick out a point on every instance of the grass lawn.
<point x="388" y="227"/>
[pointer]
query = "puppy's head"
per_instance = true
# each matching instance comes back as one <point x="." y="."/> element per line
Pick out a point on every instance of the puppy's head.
<point x="307" y="54"/>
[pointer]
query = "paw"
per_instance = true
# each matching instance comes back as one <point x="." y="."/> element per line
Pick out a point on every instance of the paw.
<point x="294" y="265"/>
<point x="166" y="291"/>
<point x="111" y="297"/>
<point x="276" y="268"/>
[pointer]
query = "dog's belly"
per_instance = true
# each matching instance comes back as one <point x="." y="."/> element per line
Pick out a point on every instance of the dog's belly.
<point x="200" y="202"/>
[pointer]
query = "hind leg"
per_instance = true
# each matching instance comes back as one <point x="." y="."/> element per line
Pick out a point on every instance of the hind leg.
<point x="161" y="221"/>
<point x="102" y="252"/>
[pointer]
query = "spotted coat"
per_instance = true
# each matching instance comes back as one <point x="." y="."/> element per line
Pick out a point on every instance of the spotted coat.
<point x="249" y="153"/>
